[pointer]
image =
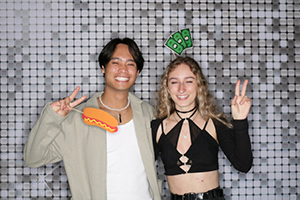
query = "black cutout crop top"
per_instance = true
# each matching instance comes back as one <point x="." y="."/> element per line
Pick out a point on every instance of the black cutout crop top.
<point x="202" y="156"/>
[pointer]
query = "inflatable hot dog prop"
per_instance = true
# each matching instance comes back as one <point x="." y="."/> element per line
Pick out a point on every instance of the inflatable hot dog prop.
<point x="100" y="118"/>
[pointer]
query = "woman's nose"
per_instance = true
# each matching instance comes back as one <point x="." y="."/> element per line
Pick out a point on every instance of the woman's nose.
<point x="181" y="88"/>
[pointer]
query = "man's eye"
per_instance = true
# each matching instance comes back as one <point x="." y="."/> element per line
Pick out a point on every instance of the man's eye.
<point x="131" y="64"/>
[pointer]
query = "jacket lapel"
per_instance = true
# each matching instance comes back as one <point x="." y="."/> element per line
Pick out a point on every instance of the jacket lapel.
<point x="142" y="127"/>
<point x="143" y="134"/>
<point x="97" y="141"/>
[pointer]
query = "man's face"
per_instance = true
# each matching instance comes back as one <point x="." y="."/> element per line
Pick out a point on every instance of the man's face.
<point x="121" y="71"/>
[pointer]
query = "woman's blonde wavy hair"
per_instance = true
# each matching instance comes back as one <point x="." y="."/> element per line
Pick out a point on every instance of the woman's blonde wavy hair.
<point x="204" y="99"/>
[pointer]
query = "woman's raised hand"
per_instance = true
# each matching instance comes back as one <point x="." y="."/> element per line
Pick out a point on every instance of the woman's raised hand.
<point x="240" y="104"/>
<point x="64" y="106"/>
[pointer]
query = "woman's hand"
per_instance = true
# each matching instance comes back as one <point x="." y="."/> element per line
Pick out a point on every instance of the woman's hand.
<point x="64" y="106"/>
<point x="240" y="104"/>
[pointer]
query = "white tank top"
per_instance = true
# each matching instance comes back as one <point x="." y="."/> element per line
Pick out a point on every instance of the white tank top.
<point x="126" y="176"/>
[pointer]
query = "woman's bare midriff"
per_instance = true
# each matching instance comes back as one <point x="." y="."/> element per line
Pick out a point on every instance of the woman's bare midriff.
<point x="193" y="182"/>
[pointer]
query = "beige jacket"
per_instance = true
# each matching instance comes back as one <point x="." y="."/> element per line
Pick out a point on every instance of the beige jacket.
<point x="83" y="148"/>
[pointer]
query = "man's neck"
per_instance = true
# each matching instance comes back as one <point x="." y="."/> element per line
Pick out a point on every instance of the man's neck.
<point x="115" y="99"/>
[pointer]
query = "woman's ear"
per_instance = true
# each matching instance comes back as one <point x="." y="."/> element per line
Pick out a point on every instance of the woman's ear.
<point x="103" y="69"/>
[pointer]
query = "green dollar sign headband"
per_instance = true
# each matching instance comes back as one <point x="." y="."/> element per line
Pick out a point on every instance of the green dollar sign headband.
<point x="179" y="41"/>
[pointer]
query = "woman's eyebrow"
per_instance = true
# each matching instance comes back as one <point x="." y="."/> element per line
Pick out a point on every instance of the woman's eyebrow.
<point x="189" y="77"/>
<point x="174" y="78"/>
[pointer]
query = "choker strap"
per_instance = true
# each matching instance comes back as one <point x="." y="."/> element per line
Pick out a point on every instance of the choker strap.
<point x="194" y="109"/>
<point x="186" y="111"/>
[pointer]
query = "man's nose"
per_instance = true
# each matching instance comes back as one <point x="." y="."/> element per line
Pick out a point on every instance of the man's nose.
<point x="122" y="66"/>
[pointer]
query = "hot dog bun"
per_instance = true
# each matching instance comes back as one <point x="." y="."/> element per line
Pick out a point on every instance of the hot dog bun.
<point x="100" y="118"/>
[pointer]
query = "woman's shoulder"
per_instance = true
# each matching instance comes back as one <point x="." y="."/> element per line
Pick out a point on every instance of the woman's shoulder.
<point x="220" y="123"/>
<point x="156" y="122"/>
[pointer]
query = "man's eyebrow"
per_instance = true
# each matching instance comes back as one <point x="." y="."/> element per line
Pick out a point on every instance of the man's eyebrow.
<point x="115" y="58"/>
<point x="120" y="59"/>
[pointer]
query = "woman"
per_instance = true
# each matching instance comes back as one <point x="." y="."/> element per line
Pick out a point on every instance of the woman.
<point x="190" y="128"/>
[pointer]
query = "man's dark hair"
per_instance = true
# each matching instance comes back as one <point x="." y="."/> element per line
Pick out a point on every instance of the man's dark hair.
<point x="110" y="47"/>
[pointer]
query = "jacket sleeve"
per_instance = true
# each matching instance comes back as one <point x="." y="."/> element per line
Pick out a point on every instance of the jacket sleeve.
<point x="236" y="144"/>
<point x="45" y="139"/>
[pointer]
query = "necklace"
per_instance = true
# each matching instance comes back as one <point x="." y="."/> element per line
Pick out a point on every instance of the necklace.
<point x="120" y="120"/>
<point x="114" y="109"/>
<point x="185" y="135"/>
<point x="186" y="111"/>
<point x="194" y="109"/>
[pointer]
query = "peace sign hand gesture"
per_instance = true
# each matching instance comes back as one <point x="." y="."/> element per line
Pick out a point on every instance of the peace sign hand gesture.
<point x="64" y="106"/>
<point x="240" y="104"/>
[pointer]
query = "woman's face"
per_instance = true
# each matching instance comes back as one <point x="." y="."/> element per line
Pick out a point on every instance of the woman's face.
<point x="182" y="87"/>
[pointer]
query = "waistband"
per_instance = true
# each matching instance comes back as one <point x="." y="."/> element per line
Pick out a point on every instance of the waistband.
<point x="211" y="194"/>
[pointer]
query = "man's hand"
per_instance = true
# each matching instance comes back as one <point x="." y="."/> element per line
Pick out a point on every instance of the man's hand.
<point x="64" y="106"/>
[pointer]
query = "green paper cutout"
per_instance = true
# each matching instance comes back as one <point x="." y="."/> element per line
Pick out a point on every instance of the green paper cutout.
<point x="174" y="46"/>
<point x="179" y="41"/>
<point x="187" y="37"/>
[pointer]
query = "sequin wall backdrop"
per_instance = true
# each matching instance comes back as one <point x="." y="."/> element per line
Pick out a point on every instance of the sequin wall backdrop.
<point x="50" y="47"/>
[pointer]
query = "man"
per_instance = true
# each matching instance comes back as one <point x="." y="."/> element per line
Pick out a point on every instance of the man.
<point x="99" y="164"/>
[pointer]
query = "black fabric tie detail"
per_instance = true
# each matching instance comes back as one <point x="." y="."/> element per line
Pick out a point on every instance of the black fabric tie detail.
<point x="185" y="111"/>
<point x="195" y="110"/>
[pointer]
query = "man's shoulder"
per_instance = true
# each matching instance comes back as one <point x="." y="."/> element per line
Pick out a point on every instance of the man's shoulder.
<point x="147" y="109"/>
<point x="146" y="104"/>
<point x="135" y="99"/>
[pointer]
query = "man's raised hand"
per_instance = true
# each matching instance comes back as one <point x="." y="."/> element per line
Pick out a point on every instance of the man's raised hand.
<point x="64" y="106"/>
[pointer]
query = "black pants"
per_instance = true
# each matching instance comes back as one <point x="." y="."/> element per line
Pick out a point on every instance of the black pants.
<point x="214" y="194"/>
